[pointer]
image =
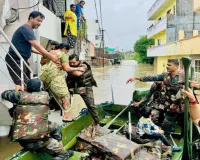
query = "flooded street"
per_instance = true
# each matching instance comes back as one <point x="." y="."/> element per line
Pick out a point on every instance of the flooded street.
<point x="114" y="76"/>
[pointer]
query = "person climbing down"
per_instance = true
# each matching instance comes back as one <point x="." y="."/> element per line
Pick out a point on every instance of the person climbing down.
<point x="147" y="129"/>
<point x="53" y="78"/>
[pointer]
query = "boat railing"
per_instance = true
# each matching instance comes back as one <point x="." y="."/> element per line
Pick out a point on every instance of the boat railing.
<point x="22" y="61"/>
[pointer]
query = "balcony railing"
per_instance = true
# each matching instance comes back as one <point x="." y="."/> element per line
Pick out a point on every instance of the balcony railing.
<point x="58" y="7"/>
<point x="160" y="50"/>
<point x="160" y="26"/>
<point x="187" y="46"/>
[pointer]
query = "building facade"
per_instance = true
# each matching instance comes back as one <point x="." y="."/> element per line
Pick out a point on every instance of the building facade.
<point x="93" y="33"/>
<point x="175" y="29"/>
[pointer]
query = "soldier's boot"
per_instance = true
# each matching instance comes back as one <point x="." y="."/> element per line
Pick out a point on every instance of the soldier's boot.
<point x="64" y="156"/>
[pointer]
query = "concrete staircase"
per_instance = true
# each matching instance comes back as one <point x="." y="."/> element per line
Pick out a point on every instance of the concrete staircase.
<point x="5" y="84"/>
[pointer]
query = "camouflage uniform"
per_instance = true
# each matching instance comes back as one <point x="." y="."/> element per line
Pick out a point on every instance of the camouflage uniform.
<point x="156" y="95"/>
<point x="171" y="88"/>
<point x="54" y="80"/>
<point x="82" y="85"/>
<point x="31" y="127"/>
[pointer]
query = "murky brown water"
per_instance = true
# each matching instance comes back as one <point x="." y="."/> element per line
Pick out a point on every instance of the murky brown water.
<point x="115" y="76"/>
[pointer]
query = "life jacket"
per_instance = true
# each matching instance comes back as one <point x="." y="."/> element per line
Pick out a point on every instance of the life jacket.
<point x="158" y="98"/>
<point x="30" y="117"/>
<point x="171" y="91"/>
<point x="85" y="80"/>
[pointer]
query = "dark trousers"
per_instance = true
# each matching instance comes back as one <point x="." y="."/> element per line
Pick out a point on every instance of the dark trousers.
<point x="15" y="71"/>
<point x="168" y="124"/>
<point x="157" y="136"/>
<point x="88" y="98"/>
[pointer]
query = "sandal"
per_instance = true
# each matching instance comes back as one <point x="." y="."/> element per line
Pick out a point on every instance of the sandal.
<point x="67" y="121"/>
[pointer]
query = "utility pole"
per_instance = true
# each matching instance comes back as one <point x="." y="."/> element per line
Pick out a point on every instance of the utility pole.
<point x="102" y="40"/>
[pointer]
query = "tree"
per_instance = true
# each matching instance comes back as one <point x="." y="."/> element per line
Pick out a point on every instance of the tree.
<point x="140" y="48"/>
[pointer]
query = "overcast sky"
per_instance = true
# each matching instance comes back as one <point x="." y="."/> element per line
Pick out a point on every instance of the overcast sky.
<point x="124" y="20"/>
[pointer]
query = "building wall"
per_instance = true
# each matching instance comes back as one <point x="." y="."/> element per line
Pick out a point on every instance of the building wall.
<point x="92" y="32"/>
<point x="51" y="26"/>
<point x="181" y="37"/>
<point x="160" y="36"/>
<point x="169" y="6"/>
<point x="161" y="63"/>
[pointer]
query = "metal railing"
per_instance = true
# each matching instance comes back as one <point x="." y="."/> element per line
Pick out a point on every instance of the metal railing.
<point x="22" y="61"/>
<point x="58" y="7"/>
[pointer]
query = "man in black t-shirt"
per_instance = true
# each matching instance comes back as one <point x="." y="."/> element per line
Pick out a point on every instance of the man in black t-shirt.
<point x="25" y="41"/>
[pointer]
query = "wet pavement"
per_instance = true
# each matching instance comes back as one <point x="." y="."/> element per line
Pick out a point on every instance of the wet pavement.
<point x="114" y="76"/>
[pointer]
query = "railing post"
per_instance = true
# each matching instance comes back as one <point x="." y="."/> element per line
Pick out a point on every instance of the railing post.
<point x="22" y="74"/>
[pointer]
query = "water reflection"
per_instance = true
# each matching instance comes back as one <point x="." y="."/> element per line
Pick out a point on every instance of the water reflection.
<point x="117" y="76"/>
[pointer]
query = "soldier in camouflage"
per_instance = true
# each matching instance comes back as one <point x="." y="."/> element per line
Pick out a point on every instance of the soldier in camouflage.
<point x="154" y="99"/>
<point x="172" y="81"/>
<point x="31" y="127"/>
<point x="81" y="83"/>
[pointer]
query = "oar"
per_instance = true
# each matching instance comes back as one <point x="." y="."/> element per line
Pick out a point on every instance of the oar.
<point x="113" y="120"/>
<point x="174" y="143"/>
<point x="191" y="123"/>
<point x="186" y="63"/>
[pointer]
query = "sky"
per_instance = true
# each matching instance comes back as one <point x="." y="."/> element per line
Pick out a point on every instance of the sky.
<point x="124" y="20"/>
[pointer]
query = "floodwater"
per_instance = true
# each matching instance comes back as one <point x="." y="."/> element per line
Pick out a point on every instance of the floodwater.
<point x="115" y="77"/>
<point x="109" y="77"/>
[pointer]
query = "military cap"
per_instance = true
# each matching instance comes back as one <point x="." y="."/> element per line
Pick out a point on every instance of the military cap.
<point x="33" y="85"/>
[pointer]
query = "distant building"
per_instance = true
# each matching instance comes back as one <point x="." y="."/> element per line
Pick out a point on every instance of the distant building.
<point x="93" y="33"/>
<point x="175" y="30"/>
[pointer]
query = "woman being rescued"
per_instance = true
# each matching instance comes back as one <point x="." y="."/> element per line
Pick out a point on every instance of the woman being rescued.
<point x="54" y="78"/>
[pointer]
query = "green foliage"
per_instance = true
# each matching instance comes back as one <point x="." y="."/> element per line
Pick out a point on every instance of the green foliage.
<point x="122" y="57"/>
<point x="140" y="48"/>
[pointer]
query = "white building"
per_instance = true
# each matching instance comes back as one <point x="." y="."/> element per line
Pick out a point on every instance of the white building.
<point x="93" y="33"/>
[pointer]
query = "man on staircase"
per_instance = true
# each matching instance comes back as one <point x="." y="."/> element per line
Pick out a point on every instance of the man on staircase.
<point x="25" y="42"/>
<point x="81" y="83"/>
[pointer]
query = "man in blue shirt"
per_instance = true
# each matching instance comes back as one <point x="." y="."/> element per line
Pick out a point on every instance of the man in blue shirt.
<point x="25" y="41"/>
<point x="79" y="13"/>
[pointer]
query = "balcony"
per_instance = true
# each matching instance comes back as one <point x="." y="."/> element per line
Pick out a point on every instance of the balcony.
<point x="160" y="26"/>
<point x="187" y="46"/>
<point x="197" y="5"/>
<point x="157" y="8"/>
<point x="157" y="51"/>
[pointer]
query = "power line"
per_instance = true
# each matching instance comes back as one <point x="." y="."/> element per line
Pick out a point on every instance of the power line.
<point x="108" y="37"/>
<point x="97" y="14"/>
<point x="101" y="14"/>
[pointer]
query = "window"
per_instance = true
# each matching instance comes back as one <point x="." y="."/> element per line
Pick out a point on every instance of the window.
<point x="197" y="65"/>
<point x="169" y="11"/>
<point x="96" y="37"/>
<point x="159" y="42"/>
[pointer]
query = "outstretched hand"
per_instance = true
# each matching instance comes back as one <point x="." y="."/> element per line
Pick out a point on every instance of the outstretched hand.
<point x="130" y="80"/>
